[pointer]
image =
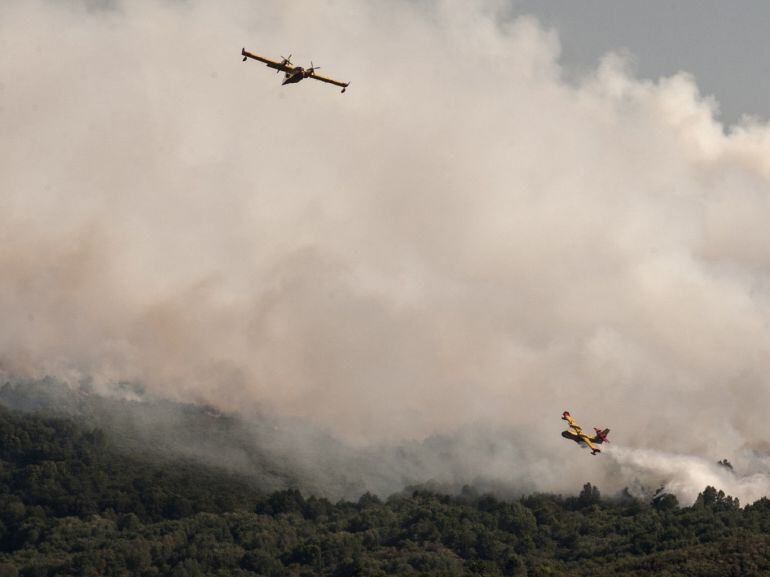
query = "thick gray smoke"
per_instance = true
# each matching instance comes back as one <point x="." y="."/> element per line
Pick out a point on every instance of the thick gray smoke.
<point x="462" y="240"/>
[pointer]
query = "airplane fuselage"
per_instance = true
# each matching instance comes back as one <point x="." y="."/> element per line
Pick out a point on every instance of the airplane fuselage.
<point x="571" y="436"/>
<point x="580" y="441"/>
<point x="296" y="75"/>
<point x="293" y="77"/>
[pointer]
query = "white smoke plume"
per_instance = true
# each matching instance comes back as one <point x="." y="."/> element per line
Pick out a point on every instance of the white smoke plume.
<point x="464" y="238"/>
<point x="686" y="476"/>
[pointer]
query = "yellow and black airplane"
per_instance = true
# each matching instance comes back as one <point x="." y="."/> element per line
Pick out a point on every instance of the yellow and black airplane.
<point x="577" y="435"/>
<point x="293" y="74"/>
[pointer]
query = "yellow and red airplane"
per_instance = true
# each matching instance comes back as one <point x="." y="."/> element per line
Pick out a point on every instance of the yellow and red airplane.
<point x="293" y="74"/>
<point x="581" y="438"/>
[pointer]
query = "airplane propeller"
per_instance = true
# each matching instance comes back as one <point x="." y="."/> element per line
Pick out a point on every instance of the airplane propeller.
<point x="313" y="68"/>
<point x="285" y="62"/>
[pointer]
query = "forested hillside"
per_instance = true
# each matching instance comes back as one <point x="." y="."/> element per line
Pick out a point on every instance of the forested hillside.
<point x="73" y="504"/>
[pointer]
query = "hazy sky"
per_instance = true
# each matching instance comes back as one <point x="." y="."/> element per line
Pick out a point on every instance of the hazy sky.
<point x="721" y="43"/>
<point x="472" y="234"/>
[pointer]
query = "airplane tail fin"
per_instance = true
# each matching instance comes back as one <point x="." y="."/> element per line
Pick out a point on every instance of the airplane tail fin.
<point x="601" y="436"/>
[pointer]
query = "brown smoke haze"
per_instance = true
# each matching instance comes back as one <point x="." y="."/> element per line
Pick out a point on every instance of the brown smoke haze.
<point x="464" y="239"/>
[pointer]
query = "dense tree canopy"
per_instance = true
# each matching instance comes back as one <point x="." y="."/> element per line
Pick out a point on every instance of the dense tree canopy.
<point x="72" y="504"/>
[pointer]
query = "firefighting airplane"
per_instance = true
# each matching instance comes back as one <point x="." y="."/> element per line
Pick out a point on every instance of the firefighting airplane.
<point x="577" y="435"/>
<point x="293" y="74"/>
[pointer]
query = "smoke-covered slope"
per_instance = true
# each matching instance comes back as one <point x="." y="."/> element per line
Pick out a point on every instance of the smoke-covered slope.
<point x="71" y="504"/>
<point x="274" y="453"/>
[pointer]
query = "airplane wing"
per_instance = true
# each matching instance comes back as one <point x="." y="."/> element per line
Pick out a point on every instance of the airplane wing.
<point x="270" y="63"/>
<point x="587" y="440"/>
<point x="343" y="85"/>
<point x="567" y="417"/>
